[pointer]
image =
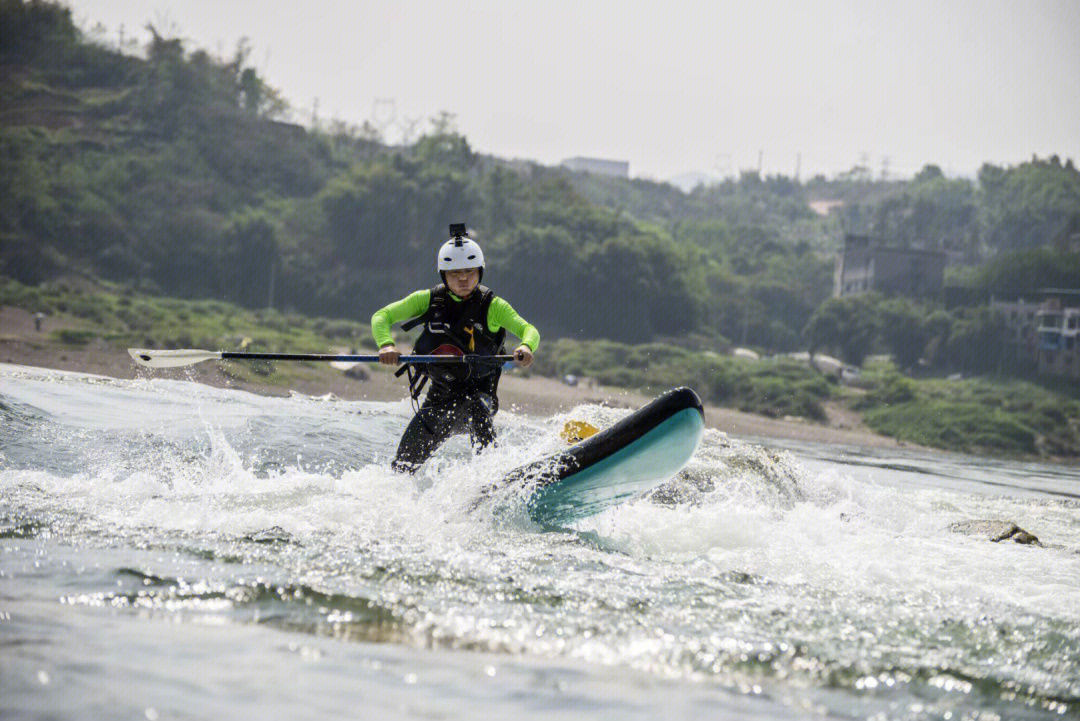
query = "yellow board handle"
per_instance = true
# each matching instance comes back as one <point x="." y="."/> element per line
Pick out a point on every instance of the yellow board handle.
<point x="577" y="431"/>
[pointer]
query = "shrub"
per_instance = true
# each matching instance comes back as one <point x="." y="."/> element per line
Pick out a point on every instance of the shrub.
<point x="893" y="388"/>
<point x="71" y="336"/>
<point x="772" y="388"/>
<point x="944" y="424"/>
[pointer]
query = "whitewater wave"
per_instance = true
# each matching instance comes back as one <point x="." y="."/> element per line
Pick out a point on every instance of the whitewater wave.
<point x="752" y="566"/>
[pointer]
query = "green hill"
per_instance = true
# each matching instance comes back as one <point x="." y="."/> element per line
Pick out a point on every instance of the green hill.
<point x="177" y="173"/>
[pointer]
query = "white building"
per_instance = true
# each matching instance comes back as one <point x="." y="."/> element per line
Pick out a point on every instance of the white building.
<point x="1059" y="326"/>
<point x="614" y="168"/>
<point x="1021" y="319"/>
<point x="1046" y="333"/>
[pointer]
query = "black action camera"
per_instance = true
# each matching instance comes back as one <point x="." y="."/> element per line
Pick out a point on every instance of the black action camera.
<point x="457" y="230"/>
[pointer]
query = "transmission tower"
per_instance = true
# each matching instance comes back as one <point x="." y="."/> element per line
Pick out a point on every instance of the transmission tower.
<point x="383" y="114"/>
<point x="408" y="128"/>
<point x="723" y="165"/>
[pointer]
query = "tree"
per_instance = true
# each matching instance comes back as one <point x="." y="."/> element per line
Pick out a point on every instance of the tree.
<point x="931" y="212"/>
<point x="444" y="145"/>
<point x="1031" y="205"/>
<point x="35" y="31"/>
<point x="903" y="330"/>
<point x="928" y="173"/>
<point x="258" y="98"/>
<point x="251" y="257"/>
<point x="937" y="327"/>
<point x="1022" y="273"/>
<point x="977" y="342"/>
<point x="847" y="325"/>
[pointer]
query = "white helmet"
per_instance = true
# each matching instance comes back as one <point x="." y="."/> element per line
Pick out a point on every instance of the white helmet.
<point x="460" y="253"/>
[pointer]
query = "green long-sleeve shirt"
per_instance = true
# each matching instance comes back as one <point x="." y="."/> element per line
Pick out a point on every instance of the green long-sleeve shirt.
<point x="500" y="315"/>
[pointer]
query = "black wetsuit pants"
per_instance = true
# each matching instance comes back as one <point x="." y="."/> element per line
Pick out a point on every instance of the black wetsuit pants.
<point x="447" y="412"/>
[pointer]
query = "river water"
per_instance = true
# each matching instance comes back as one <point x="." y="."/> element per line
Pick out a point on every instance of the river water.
<point x="170" y="550"/>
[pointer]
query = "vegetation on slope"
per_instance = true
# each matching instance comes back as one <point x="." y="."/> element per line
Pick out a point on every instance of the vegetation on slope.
<point x="177" y="174"/>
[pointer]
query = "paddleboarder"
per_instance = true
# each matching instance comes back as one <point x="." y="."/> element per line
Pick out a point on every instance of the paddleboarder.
<point x="460" y="317"/>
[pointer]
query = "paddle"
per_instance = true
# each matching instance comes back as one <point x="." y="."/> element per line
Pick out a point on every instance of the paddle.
<point x="187" y="357"/>
<point x="572" y="432"/>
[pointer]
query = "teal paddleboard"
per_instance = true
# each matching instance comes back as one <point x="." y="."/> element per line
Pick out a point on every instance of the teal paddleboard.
<point x="638" y="453"/>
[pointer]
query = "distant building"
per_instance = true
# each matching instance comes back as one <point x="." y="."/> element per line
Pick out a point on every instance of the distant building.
<point x="614" y="168"/>
<point x="287" y="131"/>
<point x="824" y="207"/>
<point x="1046" y="332"/>
<point x="862" y="267"/>
<point x="1021" y="318"/>
<point x="1059" y="325"/>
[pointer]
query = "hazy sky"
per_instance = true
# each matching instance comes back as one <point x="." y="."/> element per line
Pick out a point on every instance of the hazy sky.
<point x="672" y="87"/>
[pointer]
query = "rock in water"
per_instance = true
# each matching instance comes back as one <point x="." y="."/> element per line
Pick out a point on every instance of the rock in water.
<point x="274" y="534"/>
<point x="995" y="531"/>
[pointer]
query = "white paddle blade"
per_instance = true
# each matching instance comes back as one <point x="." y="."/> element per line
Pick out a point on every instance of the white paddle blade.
<point x="171" y="358"/>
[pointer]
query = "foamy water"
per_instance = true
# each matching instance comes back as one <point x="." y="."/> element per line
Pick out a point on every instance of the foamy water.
<point x="174" y="550"/>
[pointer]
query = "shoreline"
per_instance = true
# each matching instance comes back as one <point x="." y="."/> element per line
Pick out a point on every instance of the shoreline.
<point x="20" y="344"/>
<point x="533" y="395"/>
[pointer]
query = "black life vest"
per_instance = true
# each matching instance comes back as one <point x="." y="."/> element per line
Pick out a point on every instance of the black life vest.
<point x="457" y="328"/>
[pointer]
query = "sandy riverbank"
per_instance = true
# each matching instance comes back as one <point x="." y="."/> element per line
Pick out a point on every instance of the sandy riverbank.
<point x="21" y="344"/>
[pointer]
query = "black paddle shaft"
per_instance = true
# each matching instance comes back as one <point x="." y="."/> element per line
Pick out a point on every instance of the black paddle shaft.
<point x="324" y="357"/>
